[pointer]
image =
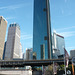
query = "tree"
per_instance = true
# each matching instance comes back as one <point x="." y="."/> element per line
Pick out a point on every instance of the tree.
<point x="49" y="70"/>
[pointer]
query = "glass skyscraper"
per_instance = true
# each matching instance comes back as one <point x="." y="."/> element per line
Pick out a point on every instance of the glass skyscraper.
<point x="42" y="42"/>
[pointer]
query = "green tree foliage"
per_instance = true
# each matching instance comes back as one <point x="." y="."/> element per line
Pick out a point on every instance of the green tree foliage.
<point x="49" y="70"/>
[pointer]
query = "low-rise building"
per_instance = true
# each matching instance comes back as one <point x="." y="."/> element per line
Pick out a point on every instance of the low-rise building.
<point x="58" y="45"/>
<point x="15" y="72"/>
<point x="72" y="53"/>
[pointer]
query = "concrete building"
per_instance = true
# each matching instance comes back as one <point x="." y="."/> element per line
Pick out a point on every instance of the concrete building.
<point x="24" y="56"/>
<point x="21" y="54"/>
<point x="15" y="72"/>
<point x="13" y="42"/>
<point x="58" y="45"/>
<point x="3" y="26"/>
<point x="72" y="53"/>
<point x="4" y="50"/>
<point x="29" y="54"/>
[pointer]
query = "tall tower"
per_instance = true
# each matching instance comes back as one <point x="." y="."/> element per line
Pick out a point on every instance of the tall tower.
<point x="3" y="26"/>
<point x="13" y="42"/>
<point x="42" y="42"/>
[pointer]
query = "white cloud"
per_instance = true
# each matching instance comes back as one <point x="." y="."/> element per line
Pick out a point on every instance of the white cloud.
<point x="70" y="48"/>
<point x="24" y="37"/>
<point x="8" y="18"/>
<point x="65" y="28"/>
<point x="14" y="6"/>
<point x="67" y="34"/>
<point x="10" y="7"/>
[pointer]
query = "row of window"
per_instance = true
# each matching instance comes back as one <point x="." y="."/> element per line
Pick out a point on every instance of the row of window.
<point x="14" y="25"/>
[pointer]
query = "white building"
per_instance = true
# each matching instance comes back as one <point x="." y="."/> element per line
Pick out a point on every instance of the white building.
<point x="58" y="45"/>
<point x="13" y="42"/>
<point x="72" y="53"/>
<point x="21" y="54"/>
<point x="15" y="72"/>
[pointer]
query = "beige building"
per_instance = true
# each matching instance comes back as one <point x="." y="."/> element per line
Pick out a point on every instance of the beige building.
<point x="13" y="47"/>
<point x="3" y="26"/>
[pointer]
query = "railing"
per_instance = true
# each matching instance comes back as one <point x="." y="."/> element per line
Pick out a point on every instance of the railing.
<point x="30" y="62"/>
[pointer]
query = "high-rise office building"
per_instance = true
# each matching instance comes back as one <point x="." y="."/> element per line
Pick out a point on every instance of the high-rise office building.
<point x="4" y="50"/>
<point x="42" y="42"/>
<point x="21" y="54"/>
<point x="29" y="54"/>
<point x="3" y="26"/>
<point x="24" y="56"/>
<point x="58" y="45"/>
<point x="13" y="42"/>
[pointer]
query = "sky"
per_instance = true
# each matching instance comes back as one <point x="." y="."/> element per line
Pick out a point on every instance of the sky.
<point x="21" y="11"/>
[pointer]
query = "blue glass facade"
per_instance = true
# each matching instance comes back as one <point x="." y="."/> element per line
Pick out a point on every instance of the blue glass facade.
<point x="42" y="30"/>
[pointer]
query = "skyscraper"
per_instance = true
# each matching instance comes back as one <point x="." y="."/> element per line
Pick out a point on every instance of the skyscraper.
<point x="3" y="26"/>
<point x="4" y="50"/>
<point x="42" y="42"/>
<point x="29" y="53"/>
<point x="13" y="42"/>
<point x="21" y="54"/>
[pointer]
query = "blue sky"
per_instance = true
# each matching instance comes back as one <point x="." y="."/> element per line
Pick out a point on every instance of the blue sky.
<point x="63" y="20"/>
<point x="21" y="12"/>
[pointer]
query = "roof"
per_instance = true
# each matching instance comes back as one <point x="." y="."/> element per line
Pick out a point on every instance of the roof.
<point x="15" y="25"/>
<point x="1" y="17"/>
<point x="59" y="35"/>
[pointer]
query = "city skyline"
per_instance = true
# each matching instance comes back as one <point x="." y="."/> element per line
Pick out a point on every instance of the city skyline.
<point x="62" y="19"/>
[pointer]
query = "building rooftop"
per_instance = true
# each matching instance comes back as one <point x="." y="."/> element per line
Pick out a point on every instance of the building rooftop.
<point x="73" y="50"/>
<point x="1" y="17"/>
<point x="14" y="25"/>
<point x="59" y="35"/>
